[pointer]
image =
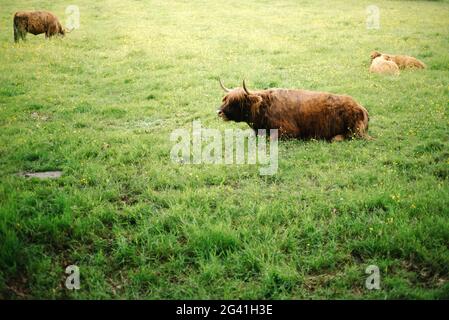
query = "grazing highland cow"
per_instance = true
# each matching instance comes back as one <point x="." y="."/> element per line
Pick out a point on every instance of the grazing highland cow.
<point x="403" y="62"/>
<point x="297" y="114"/>
<point x="36" y="22"/>
<point x="384" y="65"/>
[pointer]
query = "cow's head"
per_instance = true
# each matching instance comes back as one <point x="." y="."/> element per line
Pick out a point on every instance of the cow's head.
<point x="64" y="31"/>
<point x="375" y="54"/>
<point x="386" y="57"/>
<point x="239" y="104"/>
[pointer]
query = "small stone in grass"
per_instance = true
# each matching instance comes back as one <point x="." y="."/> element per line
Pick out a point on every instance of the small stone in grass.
<point x="42" y="175"/>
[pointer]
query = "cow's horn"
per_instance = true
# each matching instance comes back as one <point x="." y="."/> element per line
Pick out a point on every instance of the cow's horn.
<point x="68" y="30"/>
<point x="244" y="88"/>
<point x="223" y="87"/>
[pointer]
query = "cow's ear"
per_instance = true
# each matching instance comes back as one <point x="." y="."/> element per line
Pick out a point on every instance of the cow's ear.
<point x="255" y="103"/>
<point x="375" y="54"/>
<point x="254" y="99"/>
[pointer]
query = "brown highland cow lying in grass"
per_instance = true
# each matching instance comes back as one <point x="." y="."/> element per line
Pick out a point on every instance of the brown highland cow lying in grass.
<point x="297" y="114"/>
<point x="36" y="22"/>
<point x="402" y="62"/>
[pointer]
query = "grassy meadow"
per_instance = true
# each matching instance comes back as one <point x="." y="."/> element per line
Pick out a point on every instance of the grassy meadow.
<point x="101" y="103"/>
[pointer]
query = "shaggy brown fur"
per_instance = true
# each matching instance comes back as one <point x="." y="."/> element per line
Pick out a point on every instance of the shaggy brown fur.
<point x="36" y="22"/>
<point x="403" y="62"/>
<point x="297" y="114"/>
<point x="383" y="65"/>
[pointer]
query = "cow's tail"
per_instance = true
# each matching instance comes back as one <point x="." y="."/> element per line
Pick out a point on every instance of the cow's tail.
<point x="16" y="30"/>
<point x="20" y="27"/>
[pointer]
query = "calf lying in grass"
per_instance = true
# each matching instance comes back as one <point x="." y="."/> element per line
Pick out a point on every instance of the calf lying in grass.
<point x="384" y="65"/>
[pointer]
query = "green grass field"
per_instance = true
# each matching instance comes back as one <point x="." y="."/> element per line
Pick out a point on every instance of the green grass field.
<point x="101" y="103"/>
